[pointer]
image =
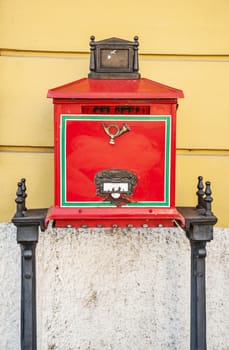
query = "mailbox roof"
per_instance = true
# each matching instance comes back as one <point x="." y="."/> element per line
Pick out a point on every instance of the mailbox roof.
<point x="96" y="88"/>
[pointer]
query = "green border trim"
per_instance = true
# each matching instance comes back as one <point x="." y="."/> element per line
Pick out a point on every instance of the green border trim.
<point x="64" y="120"/>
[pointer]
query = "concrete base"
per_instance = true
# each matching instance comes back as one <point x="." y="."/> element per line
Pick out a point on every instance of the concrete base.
<point x="111" y="289"/>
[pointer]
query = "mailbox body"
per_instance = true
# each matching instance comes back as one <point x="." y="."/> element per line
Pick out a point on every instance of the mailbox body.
<point x="115" y="144"/>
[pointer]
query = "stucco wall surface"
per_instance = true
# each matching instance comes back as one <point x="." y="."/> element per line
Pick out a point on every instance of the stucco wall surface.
<point x="45" y="44"/>
<point x="121" y="290"/>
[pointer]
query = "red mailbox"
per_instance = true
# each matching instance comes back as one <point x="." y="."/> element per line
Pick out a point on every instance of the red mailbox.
<point x="115" y="144"/>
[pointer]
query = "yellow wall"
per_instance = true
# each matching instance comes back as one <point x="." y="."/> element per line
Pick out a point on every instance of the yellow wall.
<point x="45" y="43"/>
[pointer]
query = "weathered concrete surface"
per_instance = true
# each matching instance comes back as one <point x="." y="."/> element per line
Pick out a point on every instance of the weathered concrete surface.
<point x="10" y="294"/>
<point x="121" y="290"/>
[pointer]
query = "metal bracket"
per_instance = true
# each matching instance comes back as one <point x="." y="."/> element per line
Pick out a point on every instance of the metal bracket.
<point x="28" y="223"/>
<point x="199" y="230"/>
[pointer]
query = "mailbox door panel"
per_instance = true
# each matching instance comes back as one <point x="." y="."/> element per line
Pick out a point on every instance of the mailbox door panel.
<point x="86" y="149"/>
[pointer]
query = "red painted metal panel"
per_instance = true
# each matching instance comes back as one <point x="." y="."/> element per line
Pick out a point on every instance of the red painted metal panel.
<point x="120" y="217"/>
<point x="141" y="151"/>
<point x="97" y="89"/>
<point x="82" y="150"/>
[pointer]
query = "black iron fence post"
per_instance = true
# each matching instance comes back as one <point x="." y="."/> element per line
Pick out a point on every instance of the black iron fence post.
<point x="28" y="223"/>
<point x="199" y="230"/>
<point x="27" y="237"/>
<point x="198" y="294"/>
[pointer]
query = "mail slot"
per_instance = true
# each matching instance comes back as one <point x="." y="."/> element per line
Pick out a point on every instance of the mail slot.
<point x="115" y="144"/>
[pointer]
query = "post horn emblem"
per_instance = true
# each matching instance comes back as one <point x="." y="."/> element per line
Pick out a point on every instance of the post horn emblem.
<point x="113" y="131"/>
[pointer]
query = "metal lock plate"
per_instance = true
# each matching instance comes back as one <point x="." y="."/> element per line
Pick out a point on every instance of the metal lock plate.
<point x="115" y="185"/>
